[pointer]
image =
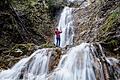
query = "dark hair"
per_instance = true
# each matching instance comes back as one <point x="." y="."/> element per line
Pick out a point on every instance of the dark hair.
<point x="56" y="28"/>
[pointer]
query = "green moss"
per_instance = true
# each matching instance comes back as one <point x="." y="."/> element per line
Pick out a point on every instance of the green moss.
<point x="113" y="43"/>
<point x="109" y="29"/>
<point x="23" y="47"/>
<point x="47" y="45"/>
<point x="109" y="25"/>
<point x="110" y="22"/>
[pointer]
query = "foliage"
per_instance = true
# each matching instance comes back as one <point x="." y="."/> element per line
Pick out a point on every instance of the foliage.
<point x="47" y="45"/>
<point x="55" y="7"/>
<point x="25" y="21"/>
<point x="23" y="49"/>
<point x="110" y="21"/>
<point x="109" y="30"/>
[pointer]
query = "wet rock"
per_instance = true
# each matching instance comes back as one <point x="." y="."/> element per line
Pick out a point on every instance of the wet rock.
<point x="9" y="57"/>
<point x="55" y="58"/>
<point x="22" y="49"/>
<point x="47" y="45"/>
<point x="99" y="22"/>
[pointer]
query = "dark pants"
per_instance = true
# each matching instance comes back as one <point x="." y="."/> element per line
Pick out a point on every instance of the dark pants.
<point x="58" y="42"/>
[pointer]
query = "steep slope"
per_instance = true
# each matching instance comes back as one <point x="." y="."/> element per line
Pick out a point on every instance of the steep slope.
<point x="99" y="22"/>
<point x="24" y="24"/>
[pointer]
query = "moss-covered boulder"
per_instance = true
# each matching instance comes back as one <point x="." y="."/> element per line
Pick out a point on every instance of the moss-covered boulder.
<point x="55" y="58"/>
<point x="11" y="56"/>
<point x="22" y="49"/>
<point x="110" y="32"/>
<point x="47" y="45"/>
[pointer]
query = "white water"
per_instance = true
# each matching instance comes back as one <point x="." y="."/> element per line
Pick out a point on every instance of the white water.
<point x="66" y="26"/>
<point x="79" y="63"/>
<point x="29" y="68"/>
<point x="66" y="23"/>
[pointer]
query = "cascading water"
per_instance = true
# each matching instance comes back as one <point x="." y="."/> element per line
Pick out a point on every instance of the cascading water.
<point x="66" y="23"/>
<point x="30" y="68"/>
<point x="66" y="26"/>
<point x="79" y="63"/>
<point x="76" y="65"/>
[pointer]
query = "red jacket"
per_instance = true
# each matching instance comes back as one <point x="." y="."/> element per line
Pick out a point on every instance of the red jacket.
<point x="57" y="33"/>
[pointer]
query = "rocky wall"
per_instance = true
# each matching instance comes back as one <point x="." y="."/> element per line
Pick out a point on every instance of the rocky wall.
<point x="99" y="22"/>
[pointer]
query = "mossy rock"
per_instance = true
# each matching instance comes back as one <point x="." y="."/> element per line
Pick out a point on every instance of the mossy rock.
<point x="110" y="31"/>
<point x="110" y="25"/>
<point x="113" y="44"/>
<point x="47" y="45"/>
<point x="110" y="22"/>
<point x="55" y="58"/>
<point x="21" y="49"/>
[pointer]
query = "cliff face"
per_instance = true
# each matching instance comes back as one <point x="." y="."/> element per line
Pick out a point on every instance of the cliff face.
<point x="27" y="21"/>
<point x="99" y="22"/>
<point x="23" y="24"/>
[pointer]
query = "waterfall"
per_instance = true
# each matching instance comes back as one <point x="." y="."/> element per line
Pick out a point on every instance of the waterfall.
<point x="66" y="23"/>
<point x="76" y="65"/>
<point x="30" y="68"/>
<point x="66" y="26"/>
<point x="79" y="63"/>
<point x="82" y="62"/>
